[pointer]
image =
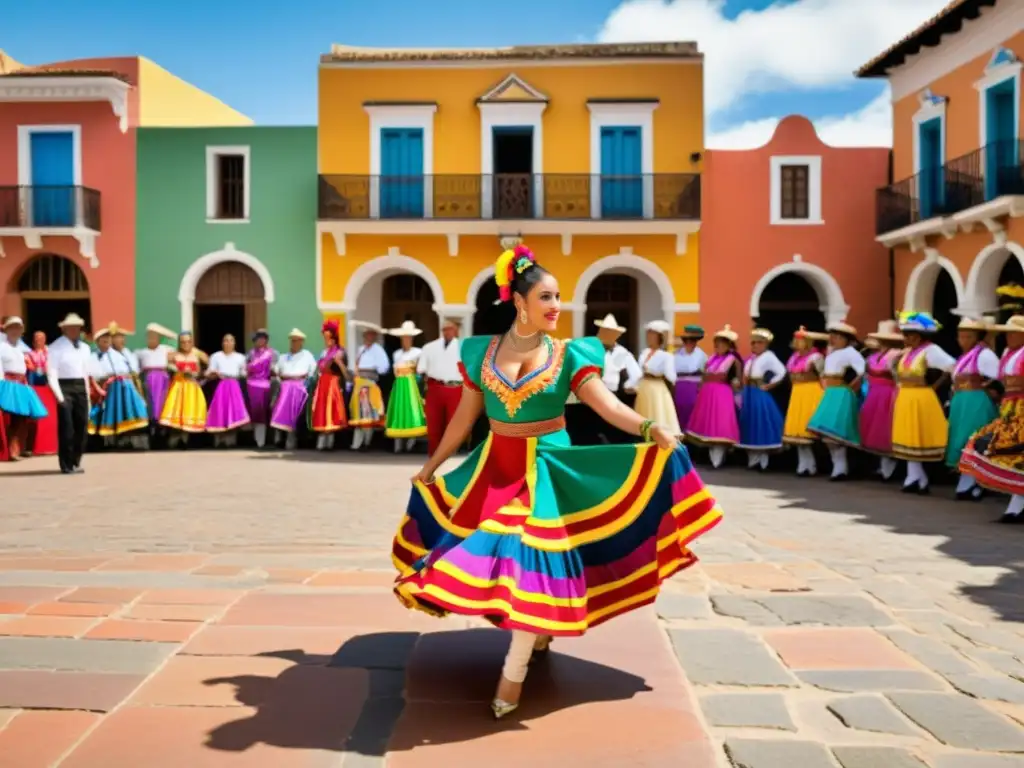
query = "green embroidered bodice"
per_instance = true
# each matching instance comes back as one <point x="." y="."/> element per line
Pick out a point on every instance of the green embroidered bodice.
<point x="541" y="393"/>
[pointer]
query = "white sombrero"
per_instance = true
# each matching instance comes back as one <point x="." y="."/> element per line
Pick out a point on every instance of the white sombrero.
<point x="888" y="330"/>
<point x="407" y="328"/>
<point x="161" y="330"/>
<point x="13" y="320"/>
<point x="762" y="334"/>
<point x="73" y="320"/>
<point x="295" y="333"/>
<point x="659" y="326"/>
<point x="367" y="326"/>
<point x="609" y="323"/>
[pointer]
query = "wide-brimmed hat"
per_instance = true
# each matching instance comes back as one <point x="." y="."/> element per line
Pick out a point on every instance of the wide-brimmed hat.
<point x="161" y="330"/>
<point x="407" y="328"/>
<point x="980" y="324"/>
<point x="762" y="334"/>
<point x="261" y="332"/>
<point x="888" y="330"/>
<point x="366" y="326"/>
<point x="112" y="329"/>
<point x="1014" y="325"/>
<point x="803" y="333"/>
<point x="918" y="322"/>
<point x="454" y="322"/>
<point x="13" y="320"/>
<point x="693" y="332"/>
<point x="728" y="334"/>
<point x="72" y="319"/>
<point x="609" y="323"/>
<point x="295" y="333"/>
<point x="659" y="326"/>
<point x="842" y="328"/>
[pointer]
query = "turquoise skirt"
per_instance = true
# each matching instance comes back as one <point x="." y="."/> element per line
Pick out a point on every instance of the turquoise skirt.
<point x="122" y="410"/>
<point x="20" y="399"/>
<point x="969" y="411"/>
<point x="836" y="417"/>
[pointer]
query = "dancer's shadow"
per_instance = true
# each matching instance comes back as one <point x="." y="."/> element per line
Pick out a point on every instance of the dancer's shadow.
<point x="352" y="701"/>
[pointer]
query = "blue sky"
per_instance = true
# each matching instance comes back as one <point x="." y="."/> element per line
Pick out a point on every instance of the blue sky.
<point x="261" y="56"/>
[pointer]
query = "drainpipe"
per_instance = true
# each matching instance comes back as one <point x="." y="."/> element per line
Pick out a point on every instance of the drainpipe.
<point x="892" y="260"/>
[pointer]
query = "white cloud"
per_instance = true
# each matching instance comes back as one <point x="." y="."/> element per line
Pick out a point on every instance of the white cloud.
<point x="870" y="126"/>
<point x="804" y="44"/>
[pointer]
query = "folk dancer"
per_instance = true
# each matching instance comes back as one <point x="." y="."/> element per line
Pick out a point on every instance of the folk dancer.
<point x="714" y="423"/>
<point x="327" y="407"/>
<point x="120" y="410"/>
<point x="19" y="403"/>
<point x="259" y="365"/>
<point x="994" y="455"/>
<point x="493" y="497"/>
<point x="366" y="406"/>
<point x="227" y="412"/>
<point x="804" y="369"/>
<point x="621" y="375"/>
<point x="294" y="370"/>
<point x="920" y="431"/>
<point x="185" y="405"/>
<point x="760" y="418"/>
<point x="836" y="419"/>
<point x="69" y="363"/>
<point x="689" y="363"/>
<point x="153" y="364"/>
<point x="42" y="433"/>
<point x="972" y="405"/>
<point x="653" y="391"/>
<point x="406" y="419"/>
<point x="876" y="411"/>
<point x="439" y="365"/>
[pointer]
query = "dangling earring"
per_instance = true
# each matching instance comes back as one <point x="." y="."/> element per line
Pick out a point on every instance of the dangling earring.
<point x="522" y="317"/>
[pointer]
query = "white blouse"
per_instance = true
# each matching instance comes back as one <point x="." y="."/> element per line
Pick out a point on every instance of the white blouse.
<point x="295" y="364"/>
<point x="938" y="358"/>
<point x="1009" y="361"/>
<point x="767" y="362"/>
<point x="112" y="363"/>
<point x="12" y="359"/>
<point x="406" y="356"/>
<point x="690" y="363"/>
<point x="838" y="360"/>
<point x="153" y="358"/>
<point x="658" y="362"/>
<point x="229" y="366"/>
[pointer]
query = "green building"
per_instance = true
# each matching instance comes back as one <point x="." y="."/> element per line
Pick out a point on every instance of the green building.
<point x="225" y="232"/>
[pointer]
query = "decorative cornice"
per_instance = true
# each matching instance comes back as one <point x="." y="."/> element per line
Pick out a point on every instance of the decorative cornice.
<point x="107" y="89"/>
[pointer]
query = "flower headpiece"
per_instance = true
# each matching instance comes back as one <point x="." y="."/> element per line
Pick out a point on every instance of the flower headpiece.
<point x="332" y="326"/>
<point x="921" y="322"/>
<point x="1012" y="291"/>
<point x="514" y="261"/>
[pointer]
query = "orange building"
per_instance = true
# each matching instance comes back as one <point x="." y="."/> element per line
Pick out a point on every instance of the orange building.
<point x="953" y="214"/>
<point x="67" y="181"/>
<point x="787" y="236"/>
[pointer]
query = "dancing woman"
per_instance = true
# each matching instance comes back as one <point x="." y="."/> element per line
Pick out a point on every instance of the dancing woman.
<point x="713" y="422"/>
<point x="184" y="409"/>
<point x="533" y="534"/>
<point x="804" y="369"/>
<point x="876" y="412"/>
<point x="760" y="418"/>
<point x="327" y="406"/>
<point x="836" y="418"/>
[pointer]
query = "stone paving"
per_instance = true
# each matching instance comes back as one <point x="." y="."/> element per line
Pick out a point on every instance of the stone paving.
<point x="233" y="609"/>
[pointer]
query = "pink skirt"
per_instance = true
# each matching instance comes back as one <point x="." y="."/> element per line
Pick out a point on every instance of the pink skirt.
<point x="714" y="420"/>
<point x="876" y="418"/>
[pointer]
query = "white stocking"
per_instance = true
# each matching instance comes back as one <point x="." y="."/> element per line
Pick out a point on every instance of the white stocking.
<point x="517" y="660"/>
<point x="763" y="460"/>
<point x="410" y="444"/>
<point x="260" y="433"/>
<point x="1016" y="505"/>
<point x="717" y="453"/>
<point x="357" y="440"/>
<point x="291" y="442"/>
<point x="838" y="453"/>
<point x="965" y="483"/>
<point x="916" y="474"/>
<point x="753" y="457"/>
<point x="887" y="466"/>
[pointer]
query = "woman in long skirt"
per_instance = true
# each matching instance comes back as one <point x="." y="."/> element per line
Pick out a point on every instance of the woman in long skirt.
<point x="836" y="419"/>
<point x="184" y="411"/>
<point x="154" y="370"/>
<point x="689" y="364"/>
<point x="121" y="410"/>
<point x="259" y="365"/>
<point x="714" y="423"/>
<point x="876" y="411"/>
<point x="804" y="370"/>
<point x="294" y="370"/>
<point x="327" y="406"/>
<point x="19" y="403"/>
<point x="406" y="419"/>
<point x="760" y="417"/>
<point x="228" y="412"/>
<point x="42" y="433"/>
<point x="653" y="393"/>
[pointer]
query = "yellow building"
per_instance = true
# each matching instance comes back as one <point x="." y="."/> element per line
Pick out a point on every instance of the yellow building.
<point x="429" y="159"/>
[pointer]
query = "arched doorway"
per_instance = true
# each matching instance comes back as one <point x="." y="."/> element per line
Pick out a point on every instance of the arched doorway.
<point x="50" y="287"/>
<point x="229" y="299"/>
<point x="944" y="302"/>
<point x="786" y="303"/>
<point x="615" y="294"/>
<point x="405" y="296"/>
<point x="491" y="317"/>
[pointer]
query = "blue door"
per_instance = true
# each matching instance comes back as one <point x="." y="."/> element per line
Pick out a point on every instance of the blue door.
<point x="53" y="179"/>
<point x="1001" y="148"/>
<point x="930" y="149"/>
<point x="622" y="184"/>
<point x="401" y="173"/>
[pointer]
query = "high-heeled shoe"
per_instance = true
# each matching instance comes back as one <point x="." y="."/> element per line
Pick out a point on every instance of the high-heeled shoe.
<point x="500" y="708"/>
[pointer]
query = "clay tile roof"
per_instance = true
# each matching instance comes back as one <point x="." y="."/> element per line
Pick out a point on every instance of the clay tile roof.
<point x="47" y="71"/>
<point x="355" y="54"/>
<point x="946" y="22"/>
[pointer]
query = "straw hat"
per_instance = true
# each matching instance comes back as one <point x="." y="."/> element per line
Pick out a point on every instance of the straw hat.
<point x="113" y="329"/>
<point x="609" y="323"/>
<point x="451" y="322"/>
<point x="872" y="343"/>
<point x="803" y="333"/>
<point x="728" y="334"/>
<point x="694" y="332"/>
<point x="918" y="322"/>
<point x="72" y="320"/>
<point x="659" y="326"/>
<point x="407" y="328"/>
<point x="161" y="330"/>
<point x="295" y="333"/>
<point x="982" y="324"/>
<point x="888" y="330"/>
<point x="13" y="320"/>
<point x="1014" y="325"/>
<point x="762" y="334"/>
<point x="105" y="331"/>
<point x="367" y="326"/>
<point x="843" y="328"/>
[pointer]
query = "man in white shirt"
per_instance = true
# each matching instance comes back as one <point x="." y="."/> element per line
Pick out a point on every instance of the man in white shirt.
<point x="371" y="362"/>
<point x="294" y="369"/>
<point x="68" y="376"/>
<point x="621" y="374"/>
<point x="439" y="364"/>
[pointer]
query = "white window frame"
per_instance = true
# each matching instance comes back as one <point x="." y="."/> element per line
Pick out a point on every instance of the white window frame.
<point x="25" y="164"/>
<point x="384" y="116"/>
<point x="622" y="114"/>
<point x="994" y="76"/>
<point x="497" y="115"/>
<point x="929" y="111"/>
<point x="813" y="163"/>
<point x="212" y="154"/>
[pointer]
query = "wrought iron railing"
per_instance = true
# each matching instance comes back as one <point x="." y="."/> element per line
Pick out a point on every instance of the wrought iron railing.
<point x="511" y="196"/>
<point x="46" y="206"/>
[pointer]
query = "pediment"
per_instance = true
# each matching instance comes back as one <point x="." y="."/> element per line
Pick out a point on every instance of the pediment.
<point x="512" y="90"/>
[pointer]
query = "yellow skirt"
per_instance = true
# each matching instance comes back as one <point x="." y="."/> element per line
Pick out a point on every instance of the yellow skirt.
<point x="366" y="408"/>
<point x="919" y="426"/>
<point x="654" y="401"/>
<point x="185" y="406"/>
<point x="803" y="402"/>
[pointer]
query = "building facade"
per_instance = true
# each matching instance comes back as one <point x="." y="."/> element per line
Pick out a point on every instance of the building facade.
<point x="68" y="135"/>
<point x="429" y="160"/>
<point x="787" y="236"/>
<point x="952" y="215"/>
<point x="225" y="234"/>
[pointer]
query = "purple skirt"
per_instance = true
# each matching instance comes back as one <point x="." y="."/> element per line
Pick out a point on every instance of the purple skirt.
<point x="156" y="382"/>
<point x="227" y="408"/>
<point x="259" y="400"/>
<point x="685" y="395"/>
<point x="876" y="418"/>
<point x="713" y="420"/>
<point x="290" y="405"/>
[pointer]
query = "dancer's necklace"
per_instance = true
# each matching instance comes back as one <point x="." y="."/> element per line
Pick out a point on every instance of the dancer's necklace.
<point x="521" y="343"/>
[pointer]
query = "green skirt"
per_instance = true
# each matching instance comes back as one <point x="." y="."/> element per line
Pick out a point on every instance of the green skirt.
<point x="969" y="411"/>
<point x="405" y="415"/>
<point x="836" y="417"/>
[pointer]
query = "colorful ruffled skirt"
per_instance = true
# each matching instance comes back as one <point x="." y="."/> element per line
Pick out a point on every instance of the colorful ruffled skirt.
<point x="969" y="411"/>
<point x="994" y="455"/>
<point x="327" y="408"/>
<point x="227" y="408"/>
<point x="184" y="406"/>
<point x="123" y="410"/>
<point x="289" y="405"/>
<point x="258" y="395"/>
<point x="654" y="401"/>
<point x="804" y="399"/>
<point x="534" y="534"/>
<point x="836" y="419"/>
<point x="19" y="399"/>
<point x="366" y="406"/>
<point x="876" y="417"/>
<point x="155" y="383"/>
<point x="713" y="421"/>
<point x="685" y="396"/>
<point x="405" y="415"/>
<point x="919" y="427"/>
<point x="760" y="421"/>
